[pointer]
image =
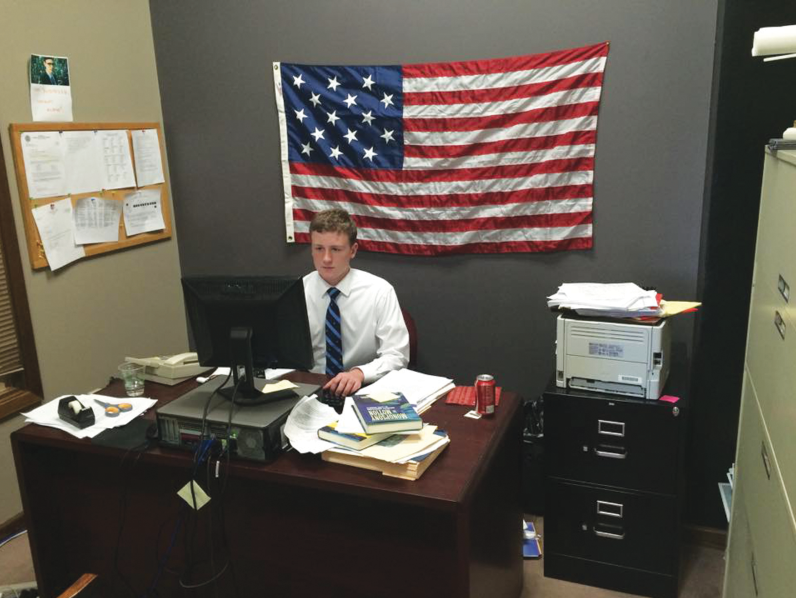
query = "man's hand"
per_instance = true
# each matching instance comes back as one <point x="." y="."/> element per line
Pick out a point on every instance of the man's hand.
<point x="346" y="383"/>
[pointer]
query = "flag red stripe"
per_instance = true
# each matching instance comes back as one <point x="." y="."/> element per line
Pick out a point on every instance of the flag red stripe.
<point x="500" y="121"/>
<point x="463" y="225"/>
<point x="502" y="247"/>
<point x="500" y="94"/>
<point x="428" y="176"/>
<point x="504" y="146"/>
<point x="504" y="65"/>
<point x="452" y="200"/>
<point x="524" y="144"/>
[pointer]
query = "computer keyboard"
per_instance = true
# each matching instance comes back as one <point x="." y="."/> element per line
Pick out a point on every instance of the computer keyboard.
<point x="327" y="397"/>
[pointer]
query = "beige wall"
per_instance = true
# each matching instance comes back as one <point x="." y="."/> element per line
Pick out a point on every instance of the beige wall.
<point x="90" y="314"/>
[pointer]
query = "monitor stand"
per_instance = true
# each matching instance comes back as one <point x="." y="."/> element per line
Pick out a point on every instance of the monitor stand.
<point x="243" y="391"/>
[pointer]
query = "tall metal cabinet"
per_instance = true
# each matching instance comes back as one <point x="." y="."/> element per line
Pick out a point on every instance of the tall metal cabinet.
<point x="761" y="555"/>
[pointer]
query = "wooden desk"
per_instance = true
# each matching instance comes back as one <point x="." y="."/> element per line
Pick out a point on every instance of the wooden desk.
<point x="295" y="527"/>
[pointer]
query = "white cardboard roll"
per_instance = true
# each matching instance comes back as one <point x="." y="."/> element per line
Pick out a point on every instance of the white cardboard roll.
<point x="774" y="40"/>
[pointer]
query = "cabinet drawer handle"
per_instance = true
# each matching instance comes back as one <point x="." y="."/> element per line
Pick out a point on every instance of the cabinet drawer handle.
<point x="784" y="288"/>
<point x="766" y="462"/>
<point x="609" y="428"/>
<point x="780" y="324"/>
<point x="610" y="509"/>
<point x="601" y="534"/>
<point x="616" y="452"/>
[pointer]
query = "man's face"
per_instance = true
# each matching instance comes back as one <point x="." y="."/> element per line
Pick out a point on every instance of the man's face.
<point x="331" y="255"/>
<point x="48" y="65"/>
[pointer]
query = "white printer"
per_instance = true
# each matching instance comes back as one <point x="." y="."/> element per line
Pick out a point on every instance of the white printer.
<point x="614" y="357"/>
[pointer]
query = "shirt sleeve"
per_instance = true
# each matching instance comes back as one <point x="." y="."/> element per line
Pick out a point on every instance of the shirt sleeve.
<point x="392" y="339"/>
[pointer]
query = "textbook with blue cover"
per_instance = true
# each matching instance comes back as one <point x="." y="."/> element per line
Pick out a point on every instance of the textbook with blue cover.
<point x="350" y="439"/>
<point x="389" y="412"/>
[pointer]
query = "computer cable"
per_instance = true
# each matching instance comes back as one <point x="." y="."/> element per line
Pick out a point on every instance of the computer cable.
<point x="12" y="537"/>
<point x="162" y="561"/>
<point x="190" y="535"/>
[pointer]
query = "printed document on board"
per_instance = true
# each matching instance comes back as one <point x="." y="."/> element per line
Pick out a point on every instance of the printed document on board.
<point x="117" y="162"/>
<point x="142" y="212"/>
<point x="81" y="160"/>
<point x="54" y="222"/>
<point x="42" y="152"/>
<point x="96" y="220"/>
<point x="148" y="165"/>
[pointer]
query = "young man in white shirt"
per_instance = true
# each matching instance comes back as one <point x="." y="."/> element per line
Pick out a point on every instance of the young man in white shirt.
<point x="374" y="335"/>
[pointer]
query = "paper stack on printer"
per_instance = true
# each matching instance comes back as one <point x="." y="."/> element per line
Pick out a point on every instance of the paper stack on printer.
<point x="47" y="414"/>
<point x="619" y="300"/>
<point x="622" y="300"/>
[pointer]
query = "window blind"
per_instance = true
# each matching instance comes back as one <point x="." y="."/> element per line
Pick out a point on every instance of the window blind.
<point x="10" y="358"/>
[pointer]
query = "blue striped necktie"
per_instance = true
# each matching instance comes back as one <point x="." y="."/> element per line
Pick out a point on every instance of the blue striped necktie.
<point x="334" y="335"/>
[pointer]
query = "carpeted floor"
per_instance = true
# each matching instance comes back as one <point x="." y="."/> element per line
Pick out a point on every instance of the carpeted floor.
<point x="702" y="573"/>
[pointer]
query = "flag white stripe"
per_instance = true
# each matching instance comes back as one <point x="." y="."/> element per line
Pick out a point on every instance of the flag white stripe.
<point x="508" y="79"/>
<point x="543" y="129"/>
<point x="536" y="208"/>
<point x="502" y="235"/>
<point x="558" y="98"/>
<point x="563" y="152"/>
<point x="555" y="179"/>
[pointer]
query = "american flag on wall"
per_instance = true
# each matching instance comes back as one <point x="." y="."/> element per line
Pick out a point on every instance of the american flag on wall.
<point x="485" y="156"/>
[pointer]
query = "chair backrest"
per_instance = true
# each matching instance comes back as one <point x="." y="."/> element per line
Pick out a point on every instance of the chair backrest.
<point x="410" y="326"/>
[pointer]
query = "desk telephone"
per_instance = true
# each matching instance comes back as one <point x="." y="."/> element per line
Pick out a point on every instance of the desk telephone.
<point x="170" y="369"/>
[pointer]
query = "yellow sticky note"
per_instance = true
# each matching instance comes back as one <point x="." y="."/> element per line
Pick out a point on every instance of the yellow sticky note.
<point x="201" y="496"/>
<point x="281" y="385"/>
<point x="383" y="395"/>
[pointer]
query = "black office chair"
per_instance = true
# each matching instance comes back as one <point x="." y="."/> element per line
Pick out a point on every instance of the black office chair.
<point x="410" y="326"/>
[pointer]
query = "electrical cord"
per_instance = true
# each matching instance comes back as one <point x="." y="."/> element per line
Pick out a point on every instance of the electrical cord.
<point x="12" y="537"/>
<point x="191" y="536"/>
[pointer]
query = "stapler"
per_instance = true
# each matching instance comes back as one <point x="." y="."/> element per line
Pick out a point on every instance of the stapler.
<point x="73" y="411"/>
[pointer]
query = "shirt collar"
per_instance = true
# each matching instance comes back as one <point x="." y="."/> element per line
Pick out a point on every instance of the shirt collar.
<point x="344" y="286"/>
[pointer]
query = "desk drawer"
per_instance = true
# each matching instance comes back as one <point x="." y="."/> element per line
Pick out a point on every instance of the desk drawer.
<point x="625" y="443"/>
<point x="631" y="529"/>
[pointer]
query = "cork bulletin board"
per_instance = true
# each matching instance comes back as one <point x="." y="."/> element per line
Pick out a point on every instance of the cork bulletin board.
<point x="35" y="246"/>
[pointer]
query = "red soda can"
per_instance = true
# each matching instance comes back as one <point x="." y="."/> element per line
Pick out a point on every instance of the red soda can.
<point x="485" y="394"/>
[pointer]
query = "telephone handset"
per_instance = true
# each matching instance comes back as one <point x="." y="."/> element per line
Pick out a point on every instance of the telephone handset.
<point x="170" y="369"/>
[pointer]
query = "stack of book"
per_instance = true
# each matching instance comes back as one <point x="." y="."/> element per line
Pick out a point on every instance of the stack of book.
<point x="387" y="435"/>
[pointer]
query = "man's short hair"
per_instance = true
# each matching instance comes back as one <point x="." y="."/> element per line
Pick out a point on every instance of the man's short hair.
<point x="334" y="221"/>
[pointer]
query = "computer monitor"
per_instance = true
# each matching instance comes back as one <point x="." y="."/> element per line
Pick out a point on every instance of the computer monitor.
<point x="250" y="322"/>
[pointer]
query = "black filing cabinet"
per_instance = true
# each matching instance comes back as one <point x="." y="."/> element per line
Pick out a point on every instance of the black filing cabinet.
<point x="613" y="491"/>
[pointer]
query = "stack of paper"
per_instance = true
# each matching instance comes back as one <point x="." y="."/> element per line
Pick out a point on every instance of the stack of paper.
<point x="622" y="300"/>
<point x="404" y="456"/>
<point x="419" y="389"/>
<point x="47" y="414"/>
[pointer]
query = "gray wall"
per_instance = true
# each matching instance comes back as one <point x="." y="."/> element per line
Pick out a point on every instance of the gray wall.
<point x="90" y="314"/>
<point x="475" y="314"/>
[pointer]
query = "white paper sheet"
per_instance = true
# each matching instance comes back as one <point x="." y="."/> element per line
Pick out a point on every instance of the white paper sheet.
<point x="303" y="423"/>
<point x="148" y="165"/>
<point x="47" y="414"/>
<point x="96" y="220"/>
<point x="44" y="163"/>
<point x="82" y="161"/>
<point x="415" y="386"/>
<point x="117" y="162"/>
<point x="54" y="222"/>
<point x="142" y="212"/>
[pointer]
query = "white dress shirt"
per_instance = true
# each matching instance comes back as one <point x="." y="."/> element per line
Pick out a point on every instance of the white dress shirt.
<point x="375" y="338"/>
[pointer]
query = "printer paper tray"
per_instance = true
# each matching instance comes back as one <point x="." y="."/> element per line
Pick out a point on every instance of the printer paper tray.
<point x="616" y="388"/>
